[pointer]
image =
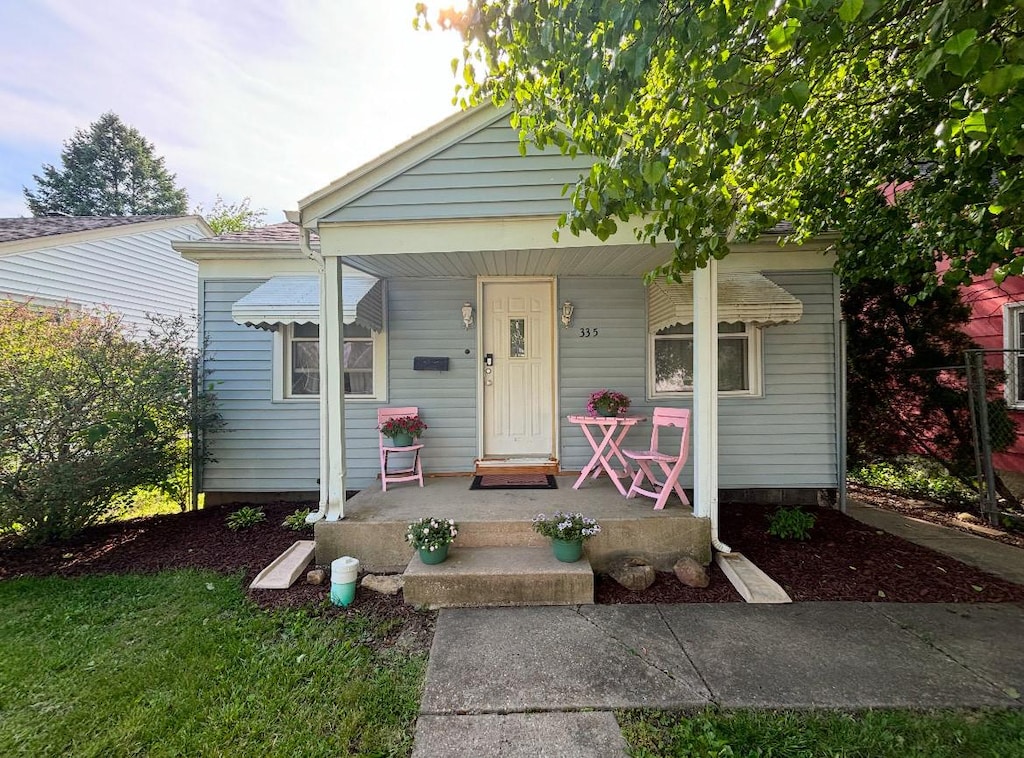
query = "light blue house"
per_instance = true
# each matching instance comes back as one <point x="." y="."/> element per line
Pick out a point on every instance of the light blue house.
<point x="443" y="249"/>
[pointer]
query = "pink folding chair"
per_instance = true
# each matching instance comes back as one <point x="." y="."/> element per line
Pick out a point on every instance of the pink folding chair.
<point x="411" y="473"/>
<point x="671" y="465"/>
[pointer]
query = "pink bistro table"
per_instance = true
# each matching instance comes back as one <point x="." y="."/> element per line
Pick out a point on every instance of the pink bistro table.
<point x="611" y="430"/>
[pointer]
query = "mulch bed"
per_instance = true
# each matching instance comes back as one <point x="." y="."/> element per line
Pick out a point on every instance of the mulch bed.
<point x="202" y="541"/>
<point x="844" y="560"/>
<point x="198" y="540"/>
<point x="849" y="560"/>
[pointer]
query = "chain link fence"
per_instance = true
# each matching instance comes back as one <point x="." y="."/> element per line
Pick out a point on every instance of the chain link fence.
<point x="995" y="384"/>
<point x="961" y="418"/>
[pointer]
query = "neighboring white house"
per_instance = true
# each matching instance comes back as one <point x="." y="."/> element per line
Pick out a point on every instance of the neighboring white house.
<point x="124" y="263"/>
<point x="455" y="220"/>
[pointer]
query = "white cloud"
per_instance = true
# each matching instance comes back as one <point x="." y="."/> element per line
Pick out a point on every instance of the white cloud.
<point x="12" y="205"/>
<point x="266" y="99"/>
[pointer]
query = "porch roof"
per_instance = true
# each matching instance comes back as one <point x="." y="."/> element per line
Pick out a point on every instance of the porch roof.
<point x="296" y="300"/>
<point x="487" y="252"/>
<point x="610" y="260"/>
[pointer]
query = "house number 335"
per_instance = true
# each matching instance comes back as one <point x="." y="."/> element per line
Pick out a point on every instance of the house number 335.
<point x="586" y="331"/>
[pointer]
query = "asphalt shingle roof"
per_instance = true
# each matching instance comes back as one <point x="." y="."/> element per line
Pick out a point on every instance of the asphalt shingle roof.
<point x="14" y="229"/>
<point x="283" y="233"/>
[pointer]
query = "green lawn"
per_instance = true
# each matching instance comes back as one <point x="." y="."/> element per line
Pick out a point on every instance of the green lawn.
<point x="182" y="664"/>
<point x="818" y="734"/>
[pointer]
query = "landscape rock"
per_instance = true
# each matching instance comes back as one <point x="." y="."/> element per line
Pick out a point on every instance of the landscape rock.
<point x="633" y="573"/>
<point x="970" y="518"/>
<point x="388" y="584"/>
<point x="691" y="573"/>
<point x="316" y="576"/>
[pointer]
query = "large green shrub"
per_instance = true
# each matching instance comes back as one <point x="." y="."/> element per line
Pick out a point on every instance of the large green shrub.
<point x="88" y="412"/>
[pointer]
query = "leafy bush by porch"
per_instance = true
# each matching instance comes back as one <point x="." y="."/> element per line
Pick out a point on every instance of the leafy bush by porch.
<point x="87" y="416"/>
<point x="180" y="663"/>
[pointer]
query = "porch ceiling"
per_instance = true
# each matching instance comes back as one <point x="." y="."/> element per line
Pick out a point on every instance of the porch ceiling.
<point x="611" y="261"/>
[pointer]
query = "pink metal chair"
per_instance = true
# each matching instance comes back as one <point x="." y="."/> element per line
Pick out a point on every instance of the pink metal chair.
<point x="671" y="465"/>
<point x="409" y="474"/>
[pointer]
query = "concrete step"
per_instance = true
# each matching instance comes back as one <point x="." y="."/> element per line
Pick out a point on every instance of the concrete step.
<point x="517" y="533"/>
<point x="498" y="576"/>
<point x="286" y="568"/>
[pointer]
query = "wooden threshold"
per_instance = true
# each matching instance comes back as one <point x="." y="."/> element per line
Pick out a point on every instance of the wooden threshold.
<point x="514" y="466"/>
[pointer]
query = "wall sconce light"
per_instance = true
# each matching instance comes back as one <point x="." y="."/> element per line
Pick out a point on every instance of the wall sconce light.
<point x="467" y="314"/>
<point x="567" y="309"/>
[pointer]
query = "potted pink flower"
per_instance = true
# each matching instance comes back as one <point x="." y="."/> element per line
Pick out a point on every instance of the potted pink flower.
<point x="403" y="429"/>
<point x="607" y="403"/>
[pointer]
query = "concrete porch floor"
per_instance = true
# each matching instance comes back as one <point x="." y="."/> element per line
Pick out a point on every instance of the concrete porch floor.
<point x="373" y="529"/>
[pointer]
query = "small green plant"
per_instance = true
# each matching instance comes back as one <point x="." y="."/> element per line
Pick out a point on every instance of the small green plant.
<point x="791" y="524"/>
<point x="245" y="518"/>
<point x="569" y="527"/>
<point x="431" y="533"/>
<point x="297" y="521"/>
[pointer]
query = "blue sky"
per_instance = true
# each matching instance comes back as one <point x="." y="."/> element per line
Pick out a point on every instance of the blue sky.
<point x="267" y="99"/>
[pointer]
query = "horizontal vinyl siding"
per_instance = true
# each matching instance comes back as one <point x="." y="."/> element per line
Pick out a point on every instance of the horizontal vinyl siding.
<point x="615" y="359"/>
<point x="482" y="176"/>
<point x="425" y="319"/>
<point x="787" y="438"/>
<point x="264" y="446"/>
<point x="269" y="446"/>
<point x="134" y="274"/>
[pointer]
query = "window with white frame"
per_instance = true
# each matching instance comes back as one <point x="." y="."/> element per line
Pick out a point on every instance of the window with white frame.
<point x="1013" y="340"/>
<point x="303" y="360"/>
<point x="670" y="371"/>
<point x="358" y="358"/>
<point x="362" y="354"/>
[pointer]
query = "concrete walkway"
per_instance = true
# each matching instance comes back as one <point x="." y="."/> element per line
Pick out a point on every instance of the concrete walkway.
<point x="544" y="681"/>
<point x="513" y="682"/>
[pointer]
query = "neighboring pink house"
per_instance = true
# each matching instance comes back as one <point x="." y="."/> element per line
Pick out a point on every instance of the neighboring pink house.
<point x="997" y="323"/>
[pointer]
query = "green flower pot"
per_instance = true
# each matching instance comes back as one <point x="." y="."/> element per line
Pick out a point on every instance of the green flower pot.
<point x="434" y="556"/>
<point x="567" y="551"/>
<point x="401" y="439"/>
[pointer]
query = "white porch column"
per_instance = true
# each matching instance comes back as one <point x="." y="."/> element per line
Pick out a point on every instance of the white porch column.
<point x="705" y="397"/>
<point x="332" y="391"/>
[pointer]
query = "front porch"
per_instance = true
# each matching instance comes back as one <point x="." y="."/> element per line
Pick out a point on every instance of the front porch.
<point x="373" y="529"/>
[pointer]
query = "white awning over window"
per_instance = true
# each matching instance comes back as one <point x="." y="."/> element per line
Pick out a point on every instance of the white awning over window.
<point x="750" y="298"/>
<point x="296" y="300"/>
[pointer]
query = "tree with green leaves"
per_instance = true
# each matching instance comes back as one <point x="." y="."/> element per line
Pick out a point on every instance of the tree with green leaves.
<point x="231" y="217"/>
<point x="109" y="169"/>
<point x="907" y="389"/>
<point x="897" y="124"/>
<point x="90" y="412"/>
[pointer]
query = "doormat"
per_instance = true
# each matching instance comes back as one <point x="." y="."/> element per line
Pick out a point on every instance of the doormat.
<point x="514" y="482"/>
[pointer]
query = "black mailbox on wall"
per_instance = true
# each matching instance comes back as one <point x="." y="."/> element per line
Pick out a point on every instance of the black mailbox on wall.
<point x="424" y="363"/>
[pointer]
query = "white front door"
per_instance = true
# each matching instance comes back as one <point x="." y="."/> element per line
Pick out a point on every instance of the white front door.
<point x="518" y="385"/>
